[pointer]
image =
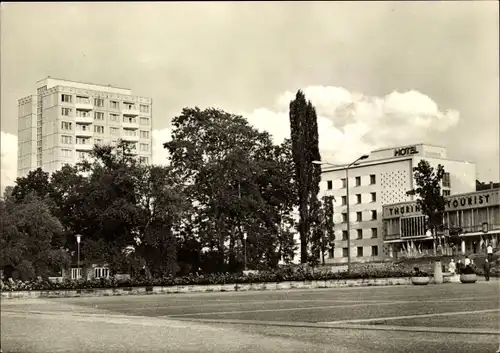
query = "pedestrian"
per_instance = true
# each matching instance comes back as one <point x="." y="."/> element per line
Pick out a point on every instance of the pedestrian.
<point x="460" y="266"/>
<point x="467" y="261"/>
<point x="489" y="251"/>
<point x="452" y="267"/>
<point x="487" y="267"/>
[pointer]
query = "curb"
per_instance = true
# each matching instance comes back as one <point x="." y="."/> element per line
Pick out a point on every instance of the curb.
<point x="206" y="288"/>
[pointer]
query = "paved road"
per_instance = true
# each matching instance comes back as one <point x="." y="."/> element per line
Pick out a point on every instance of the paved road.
<point x="437" y="318"/>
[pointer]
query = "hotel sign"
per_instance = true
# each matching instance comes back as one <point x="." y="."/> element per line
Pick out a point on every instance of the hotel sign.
<point x="405" y="151"/>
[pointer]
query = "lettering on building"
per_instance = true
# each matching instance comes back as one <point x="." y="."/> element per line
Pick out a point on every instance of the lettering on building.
<point x="475" y="200"/>
<point x="405" y="151"/>
<point x="401" y="210"/>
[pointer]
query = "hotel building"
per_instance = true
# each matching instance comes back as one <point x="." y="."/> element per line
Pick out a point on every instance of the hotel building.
<point x="62" y="122"/>
<point x="472" y="218"/>
<point x="382" y="179"/>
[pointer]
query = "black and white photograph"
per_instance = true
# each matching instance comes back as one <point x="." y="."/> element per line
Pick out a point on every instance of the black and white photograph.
<point x="250" y="177"/>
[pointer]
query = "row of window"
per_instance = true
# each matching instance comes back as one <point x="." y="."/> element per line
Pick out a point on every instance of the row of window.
<point x="360" y="252"/>
<point x="359" y="216"/>
<point x="357" y="180"/>
<point x="99" y="129"/>
<point x="359" y="233"/>
<point x="99" y="102"/>
<point x="68" y="140"/>
<point x="100" y="116"/>
<point x="373" y="198"/>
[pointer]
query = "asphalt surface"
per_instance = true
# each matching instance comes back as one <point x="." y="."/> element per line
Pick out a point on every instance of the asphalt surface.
<point x="436" y="318"/>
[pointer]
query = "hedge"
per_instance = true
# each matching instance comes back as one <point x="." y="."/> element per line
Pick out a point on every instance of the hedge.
<point x="280" y="275"/>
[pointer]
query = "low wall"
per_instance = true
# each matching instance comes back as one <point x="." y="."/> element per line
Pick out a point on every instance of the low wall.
<point x="208" y="288"/>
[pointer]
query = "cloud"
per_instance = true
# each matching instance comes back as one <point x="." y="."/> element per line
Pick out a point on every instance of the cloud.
<point x="8" y="160"/>
<point x="160" y="155"/>
<point x="351" y="123"/>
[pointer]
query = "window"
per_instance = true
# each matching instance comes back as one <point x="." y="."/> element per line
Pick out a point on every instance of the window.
<point x="99" y="129"/>
<point x="144" y="147"/>
<point x="375" y="250"/>
<point x="360" y="251"/>
<point x="144" y="159"/>
<point x="98" y="115"/>
<point x="344" y="200"/>
<point x="76" y="273"/>
<point x="359" y="233"/>
<point x="66" y="98"/>
<point x="82" y="114"/>
<point x="329" y="184"/>
<point x="374" y="233"/>
<point x="84" y="100"/>
<point x="144" y="108"/>
<point x="129" y="106"/>
<point x="66" y="153"/>
<point x="113" y="117"/>
<point x="344" y="235"/>
<point x="114" y="104"/>
<point x="144" y="121"/>
<point x="374" y="215"/>
<point x="98" y="141"/>
<point x="99" y="102"/>
<point x="372" y="179"/>
<point x="82" y="141"/>
<point x="344" y="217"/>
<point x="114" y="131"/>
<point x="374" y="196"/>
<point x="358" y="198"/>
<point x="359" y="216"/>
<point x="129" y="132"/>
<point x="66" y="111"/>
<point x="345" y="252"/>
<point x="144" y="134"/>
<point x="446" y="192"/>
<point x="82" y="155"/>
<point x="129" y="119"/>
<point x="101" y="272"/>
<point x="114" y="142"/>
<point x="344" y="182"/>
<point x="66" y="125"/>
<point x="358" y="181"/>
<point x="66" y="139"/>
<point x="446" y="180"/>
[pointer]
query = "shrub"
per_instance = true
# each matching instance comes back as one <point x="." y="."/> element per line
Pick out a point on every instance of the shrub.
<point x="360" y="271"/>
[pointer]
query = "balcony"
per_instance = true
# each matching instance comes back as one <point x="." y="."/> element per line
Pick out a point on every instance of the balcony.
<point x="130" y="124"/>
<point x="84" y="119"/>
<point x="130" y="111"/>
<point x="84" y="133"/>
<point x="85" y="105"/>
<point x="130" y="138"/>
<point x="84" y="147"/>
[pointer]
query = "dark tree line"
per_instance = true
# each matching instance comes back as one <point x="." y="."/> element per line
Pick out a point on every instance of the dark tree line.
<point x="226" y="182"/>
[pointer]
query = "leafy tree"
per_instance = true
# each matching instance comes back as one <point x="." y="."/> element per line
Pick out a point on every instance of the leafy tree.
<point x="430" y="199"/>
<point x="235" y="183"/>
<point x="304" y="135"/>
<point x="28" y="230"/>
<point x="324" y="235"/>
<point x="36" y="181"/>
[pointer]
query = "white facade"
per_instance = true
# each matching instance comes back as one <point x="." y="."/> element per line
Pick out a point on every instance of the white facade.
<point x="382" y="179"/>
<point x="62" y="122"/>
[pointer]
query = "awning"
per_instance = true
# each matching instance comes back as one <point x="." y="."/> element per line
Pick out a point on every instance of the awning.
<point x="409" y="239"/>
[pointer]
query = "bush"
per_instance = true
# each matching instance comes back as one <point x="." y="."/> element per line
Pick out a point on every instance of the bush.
<point x="364" y="271"/>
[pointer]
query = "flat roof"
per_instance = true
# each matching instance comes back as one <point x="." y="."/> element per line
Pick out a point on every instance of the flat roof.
<point x="410" y="144"/>
<point x="85" y="83"/>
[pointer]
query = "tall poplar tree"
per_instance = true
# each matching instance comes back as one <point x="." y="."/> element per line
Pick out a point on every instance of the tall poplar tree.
<point x="305" y="150"/>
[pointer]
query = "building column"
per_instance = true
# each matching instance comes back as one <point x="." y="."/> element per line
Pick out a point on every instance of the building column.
<point x="463" y="247"/>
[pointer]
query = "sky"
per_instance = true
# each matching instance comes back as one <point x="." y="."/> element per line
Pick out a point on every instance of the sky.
<point x="380" y="74"/>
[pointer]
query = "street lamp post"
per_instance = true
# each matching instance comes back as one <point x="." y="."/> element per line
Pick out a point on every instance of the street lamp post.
<point x="78" y="239"/>
<point x="365" y="156"/>
<point x="245" y="245"/>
